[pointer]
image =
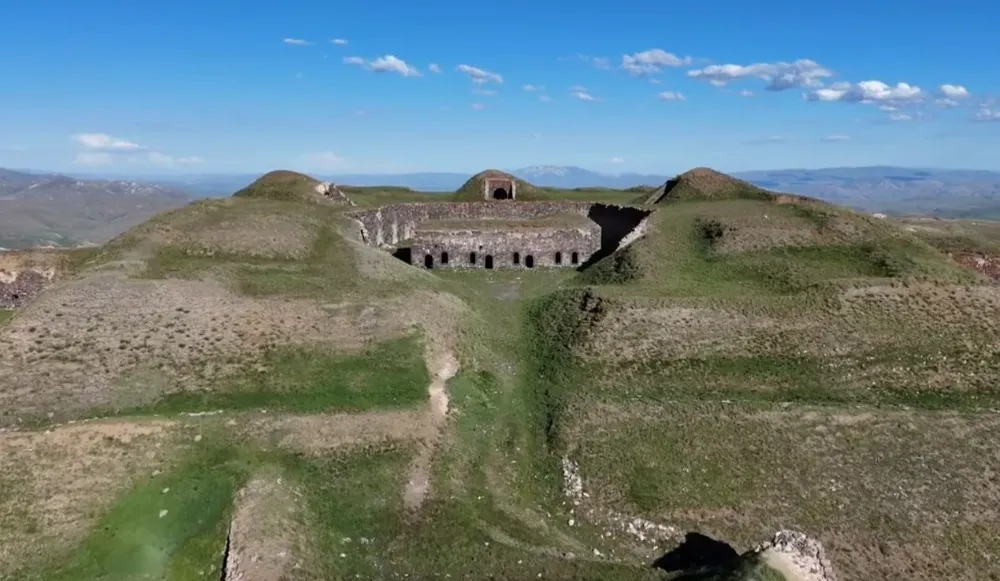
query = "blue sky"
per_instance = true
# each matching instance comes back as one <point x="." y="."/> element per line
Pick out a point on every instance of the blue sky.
<point x="350" y="86"/>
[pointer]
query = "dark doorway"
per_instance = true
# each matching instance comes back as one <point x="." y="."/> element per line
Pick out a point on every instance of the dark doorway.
<point x="558" y="257"/>
<point x="700" y="557"/>
<point x="500" y="194"/>
<point x="529" y="261"/>
<point x="489" y="261"/>
<point x="575" y="258"/>
<point x="472" y="258"/>
<point x="444" y="258"/>
<point x="404" y="254"/>
<point x="517" y="258"/>
<point x="429" y="261"/>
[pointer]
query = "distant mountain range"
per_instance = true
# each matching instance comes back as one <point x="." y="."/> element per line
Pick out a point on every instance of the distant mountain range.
<point x="44" y="209"/>
<point x="54" y="209"/>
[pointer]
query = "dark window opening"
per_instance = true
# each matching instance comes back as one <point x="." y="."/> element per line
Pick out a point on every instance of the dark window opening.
<point x="404" y="254"/>
<point x="529" y="261"/>
<point x="444" y="258"/>
<point x="500" y="194"/>
<point x="429" y="261"/>
<point x="15" y="296"/>
<point x="489" y="261"/>
<point x="558" y="257"/>
<point x="575" y="258"/>
<point x="472" y="258"/>
<point x="517" y="258"/>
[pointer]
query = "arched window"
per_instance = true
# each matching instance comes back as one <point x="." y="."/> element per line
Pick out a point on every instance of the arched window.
<point x="472" y="258"/>
<point x="517" y="258"/>
<point x="489" y="261"/>
<point x="429" y="261"/>
<point x="558" y="257"/>
<point x="444" y="258"/>
<point x="575" y="258"/>
<point x="529" y="261"/>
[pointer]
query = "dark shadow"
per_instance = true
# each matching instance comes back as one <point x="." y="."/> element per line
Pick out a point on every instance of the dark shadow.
<point x="665" y="195"/>
<point x="616" y="222"/>
<point x="574" y="258"/>
<point x="444" y="258"/>
<point x="489" y="261"/>
<point x="517" y="258"/>
<point x="429" y="261"/>
<point x="472" y="258"/>
<point x="529" y="261"/>
<point x="500" y="194"/>
<point x="699" y="557"/>
<point x="404" y="254"/>
<point x="558" y="258"/>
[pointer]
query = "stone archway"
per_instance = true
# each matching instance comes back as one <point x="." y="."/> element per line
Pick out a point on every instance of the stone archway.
<point x="500" y="194"/>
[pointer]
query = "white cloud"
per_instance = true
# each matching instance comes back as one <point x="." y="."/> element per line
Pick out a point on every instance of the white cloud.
<point x="296" y="41"/>
<point x="953" y="91"/>
<point x="93" y="158"/>
<point x="746" y="93"/>
<point x="652" y="61"/>
<point x="339" y="41"/>
<point x="434" y="68"/>
<point x="530" y="88"/>
<point x="391" y="64"/>
<point x="326" y="160"/>
<point x="384" y="64"/>
<point x="479" y="76"/>
<point x="487" y="92"/>
<point x="582" y="94"/>
<point x="832" y="138"/>
<point x="544" y="98"/>
<point x="601" y="63"/>
<point x="14" y="148"/>
<point x="988" y="114"/>
<point x="191" y="159"/>
<point x="616" y="160"/>
<point x="779" y="76"/>
<point x="888" y="108"/>
<point x="867" y="92"/>
<point x="104" y="142"/>
<point x="946" y="103"/>
<point x="671" y="96"/>
<point x="477" y="106"/>
<point x="900" y="117"/>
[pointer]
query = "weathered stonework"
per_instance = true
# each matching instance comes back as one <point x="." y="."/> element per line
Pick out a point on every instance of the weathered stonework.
<point x="509" y="233"/>
<point x="499" y="189"/>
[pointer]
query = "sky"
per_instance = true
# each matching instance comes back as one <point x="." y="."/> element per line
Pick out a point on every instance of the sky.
<point x="440" y="85"/>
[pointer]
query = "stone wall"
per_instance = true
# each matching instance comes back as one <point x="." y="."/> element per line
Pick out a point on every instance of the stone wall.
<point x="515" y="248"/>
<point x="387" y="226"/>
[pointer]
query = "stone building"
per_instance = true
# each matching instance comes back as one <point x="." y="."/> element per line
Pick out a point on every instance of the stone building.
<point x="491" y="226"/>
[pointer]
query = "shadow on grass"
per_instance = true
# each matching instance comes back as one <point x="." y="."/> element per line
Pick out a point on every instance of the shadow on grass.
<point x="699" y="558"/>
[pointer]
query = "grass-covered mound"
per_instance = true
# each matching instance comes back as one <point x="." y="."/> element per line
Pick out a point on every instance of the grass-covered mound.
<point x="472" y="189"/>
<point x="703" y="183"/>
<point x="282" y="185"/>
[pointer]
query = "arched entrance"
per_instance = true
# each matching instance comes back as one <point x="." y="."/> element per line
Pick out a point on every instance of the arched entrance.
<point x="529" y="261"/>
<point x="429" y="261"/>
<point x="489" y="261"/>
<point x="500" y="194"/>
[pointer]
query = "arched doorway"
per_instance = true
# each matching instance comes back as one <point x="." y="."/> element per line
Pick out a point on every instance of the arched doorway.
<point x="575" y="258"/>
<point x="500" y="194"/>
<point x="429" y="261"/>
<point x="517" y="258"/>
<point x="472" y="258"/>
<point x="529" y="261"/>
<point x="489" y="261"/>
<point x="558" y="257"/>
<point x="444" y="258"/>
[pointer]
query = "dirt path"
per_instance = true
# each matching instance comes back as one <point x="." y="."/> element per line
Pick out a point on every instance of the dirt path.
<point x="442" y="365"/>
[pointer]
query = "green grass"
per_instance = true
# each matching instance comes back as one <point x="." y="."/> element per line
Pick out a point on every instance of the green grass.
<point x="6" y="315"/>
<point x="132" y="541"/>
<point x="314" y="379"/>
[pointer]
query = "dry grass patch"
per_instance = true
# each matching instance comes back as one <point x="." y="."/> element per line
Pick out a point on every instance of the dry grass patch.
<point x="892" y="495"/>
<point x="54" y="485"/>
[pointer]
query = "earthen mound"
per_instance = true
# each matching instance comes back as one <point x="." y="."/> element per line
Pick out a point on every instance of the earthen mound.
<point x="287" y="185"/>
<point x="472" y="189"/>
<point x="702" y="183"/>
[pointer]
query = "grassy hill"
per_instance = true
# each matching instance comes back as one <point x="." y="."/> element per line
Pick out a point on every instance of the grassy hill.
<point x="243" y="384"/>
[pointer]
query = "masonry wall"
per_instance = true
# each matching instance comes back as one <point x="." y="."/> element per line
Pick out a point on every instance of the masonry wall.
<point x="388" y="225"/>
<point x="535" y="246"/>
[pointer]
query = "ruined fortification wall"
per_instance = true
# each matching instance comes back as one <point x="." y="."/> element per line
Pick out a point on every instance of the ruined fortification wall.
<point x="388" y="225"/>
<point x="517" y="248"/>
